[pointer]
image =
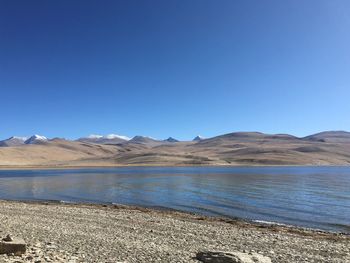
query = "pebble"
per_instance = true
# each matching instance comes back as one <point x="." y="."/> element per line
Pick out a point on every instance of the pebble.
<point x="77" y="234"/>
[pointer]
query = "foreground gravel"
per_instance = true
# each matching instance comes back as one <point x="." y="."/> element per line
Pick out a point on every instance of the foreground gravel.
<point x="95" y="233"/>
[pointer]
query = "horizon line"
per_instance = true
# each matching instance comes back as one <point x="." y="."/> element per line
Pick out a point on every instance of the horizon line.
<point x="153" y="138"/>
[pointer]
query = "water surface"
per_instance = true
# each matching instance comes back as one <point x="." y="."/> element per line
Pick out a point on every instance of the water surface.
<point x="316" y="197"/>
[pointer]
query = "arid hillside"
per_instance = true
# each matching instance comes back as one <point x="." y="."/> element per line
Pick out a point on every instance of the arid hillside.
<point x="241" y="148"/>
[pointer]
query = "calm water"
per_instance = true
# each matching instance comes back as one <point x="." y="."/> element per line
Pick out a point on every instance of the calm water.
<point x="317" y="197"/>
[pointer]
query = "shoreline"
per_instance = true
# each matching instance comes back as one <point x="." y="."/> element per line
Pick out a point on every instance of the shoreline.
<point x="60" y="167"/>
<point x="327" y="225"/>
<point x="70" y="232"/>
<point x="275" y="226"/>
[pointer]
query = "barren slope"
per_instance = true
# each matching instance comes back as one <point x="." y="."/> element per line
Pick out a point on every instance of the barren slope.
<point x="56" y="152"/>
<point x="243" y="148"/>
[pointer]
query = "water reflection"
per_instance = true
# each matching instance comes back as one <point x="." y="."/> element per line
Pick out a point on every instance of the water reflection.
<point x="316" y="197"/>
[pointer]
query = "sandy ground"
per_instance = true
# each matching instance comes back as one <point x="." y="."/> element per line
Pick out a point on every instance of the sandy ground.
<point x="95" y="233"/>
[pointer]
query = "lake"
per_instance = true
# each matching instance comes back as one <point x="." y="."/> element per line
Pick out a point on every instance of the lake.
<point x="315" y="197"/>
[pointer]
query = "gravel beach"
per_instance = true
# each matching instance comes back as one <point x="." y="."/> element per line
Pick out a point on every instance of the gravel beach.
<point x="96" y="233"/>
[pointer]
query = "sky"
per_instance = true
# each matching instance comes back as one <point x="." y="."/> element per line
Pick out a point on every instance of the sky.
<point x="173" y="68"/>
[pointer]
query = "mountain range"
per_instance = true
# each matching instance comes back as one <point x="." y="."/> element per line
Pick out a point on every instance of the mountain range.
<point x="108" y="139"/>
<point x="18" y="141"/>
<point x="237" y="148"/>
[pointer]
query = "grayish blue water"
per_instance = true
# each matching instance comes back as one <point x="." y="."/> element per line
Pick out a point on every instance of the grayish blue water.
<point x="316" y="197"/>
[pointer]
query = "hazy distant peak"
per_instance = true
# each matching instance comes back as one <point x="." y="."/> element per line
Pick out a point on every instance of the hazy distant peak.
<point x="13" y="141"/>
<point x="104" y="139"/>
<point x="108" y="137"/>
<point x="59" y="139"/>
<point x="198" y="138"/>
<point x="171" y="139"/>
<point x="330" y="136"/>
<point x="142" y="139"/>
<point x="94" y="136"/>
<point x="332" y="133"/>
<point x="18" y="138"/>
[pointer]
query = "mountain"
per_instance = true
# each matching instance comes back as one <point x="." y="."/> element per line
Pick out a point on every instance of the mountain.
<point x="13" y="141"/>
<point x="58" y="152"/>
<point x="107" y="139"/>
<point x="115" y="136"/>
<point x="19" y="141"/>
<point x="197" y="138"/>
<point x="171" y="139"/>
<point x="36" y="139"/>
<point x="143" y="140"/>
<point x="330" y="136"/>
<point x="252" y="136"/>
<point x="247" y="137"/>
<point x="91" y="139"/>
<point x="237" y="148"/>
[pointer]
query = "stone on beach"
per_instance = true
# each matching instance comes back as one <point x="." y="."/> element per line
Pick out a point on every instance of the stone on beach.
<point x="8" y="238"/>
<point x="12" y="245"/>
<point x="231" y="257"/>
<point x="92" y="233"/>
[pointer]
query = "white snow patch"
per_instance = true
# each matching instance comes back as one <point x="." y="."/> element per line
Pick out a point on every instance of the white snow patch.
<point x="114" y="136"/>
<point x="95" y="136"/>
<point x="35" y="138"/>
<point x="19" y="138"/>
<point x="39" y="137"/>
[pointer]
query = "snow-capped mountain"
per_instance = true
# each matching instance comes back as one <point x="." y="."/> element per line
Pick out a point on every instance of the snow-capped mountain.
<point x="18" y="141"/>
<point x="19" y="138"/>
<point x="93" y="136"/>
<point x="198" y="138"/>
<point x="36" y="139"/>
<point x="107" y="139"/>
<point x="116" y="136"/>
<point x="13" y="141"/>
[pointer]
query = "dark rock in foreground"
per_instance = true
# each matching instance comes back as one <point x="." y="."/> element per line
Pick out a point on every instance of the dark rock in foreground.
<point x="12" y="245"/>
<point x="231" y="257"/>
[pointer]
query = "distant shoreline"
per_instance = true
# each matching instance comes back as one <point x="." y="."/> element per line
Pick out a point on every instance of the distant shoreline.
<point x="59" y="167"/>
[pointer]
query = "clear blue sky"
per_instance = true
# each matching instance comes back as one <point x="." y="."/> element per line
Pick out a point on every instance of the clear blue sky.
<point x="174" y="68"/>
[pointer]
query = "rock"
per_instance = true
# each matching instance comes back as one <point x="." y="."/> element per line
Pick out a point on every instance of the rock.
<point x="17" y="246"/>
<point x="7" y="238"/>
<point x="231" y="257"/>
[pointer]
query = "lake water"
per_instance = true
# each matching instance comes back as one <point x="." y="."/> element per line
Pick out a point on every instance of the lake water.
<point x="316" y="197"/>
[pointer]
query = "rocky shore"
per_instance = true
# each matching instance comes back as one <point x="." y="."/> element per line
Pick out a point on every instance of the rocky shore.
<point x="97" y="233"/>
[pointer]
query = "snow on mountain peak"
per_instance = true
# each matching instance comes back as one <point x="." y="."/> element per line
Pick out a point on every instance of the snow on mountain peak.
<point x="35" y="138"/>
<point x="198" y="138"/>
<point x="108" y="137"/>
<point x="18" y="138"/>
<point x="95" y="136"/>
<point x="39" y="137"/>
<point x="114" y="136"/>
